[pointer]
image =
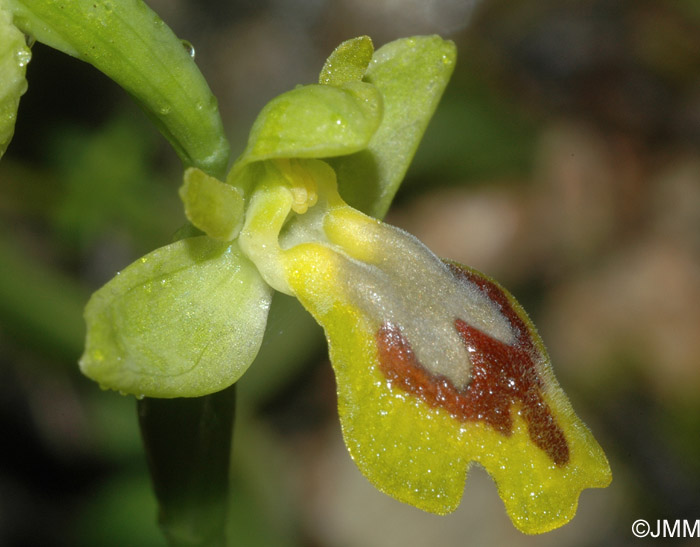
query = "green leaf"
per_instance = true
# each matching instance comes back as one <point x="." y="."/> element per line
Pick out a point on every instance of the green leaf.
<point x="411" y="75"/>
<point x="129" y="43"/>
<point x="315" y="121"/>
<point x="14" y="56"/>
<point x="348" y="62"/>
<point x="183" y="321"/>
<point x="212" y="206"/>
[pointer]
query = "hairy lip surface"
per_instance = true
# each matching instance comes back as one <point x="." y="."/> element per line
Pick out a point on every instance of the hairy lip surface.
<point x="503" y="375"/>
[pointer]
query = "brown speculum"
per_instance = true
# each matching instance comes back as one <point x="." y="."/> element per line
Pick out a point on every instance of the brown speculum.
<point x="502" y="375"/>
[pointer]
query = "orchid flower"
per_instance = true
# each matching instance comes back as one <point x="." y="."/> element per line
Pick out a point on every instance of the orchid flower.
<point x="437" y="365"/>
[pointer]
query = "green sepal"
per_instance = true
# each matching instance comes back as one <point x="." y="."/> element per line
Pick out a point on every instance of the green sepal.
<point x="348" y="62"/>
<point x="315" y="121"/>
<point x="213" y="206"/>
<point x="411" y="75"/>
<point x="134" y="47"/>
<point x="14" y="56"/>
<point x="183" y="321"/>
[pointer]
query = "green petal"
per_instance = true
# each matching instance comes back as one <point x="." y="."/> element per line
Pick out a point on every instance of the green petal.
<point x="315" y="121"/>
<point x="14" y="56"/>
<point x="411" y="75"/>
<point x="348" y="62"/>
<point x="212" y="206"/>
<point x="183" y="321"/>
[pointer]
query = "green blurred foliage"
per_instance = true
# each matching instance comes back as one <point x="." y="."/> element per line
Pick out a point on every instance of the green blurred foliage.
<point x="473" y="122"/>
<point x="106" y="178"/>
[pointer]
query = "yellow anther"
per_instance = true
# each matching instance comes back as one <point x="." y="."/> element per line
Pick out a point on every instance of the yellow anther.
<point x="301" y="184"/>
<point x="299" y="195"/>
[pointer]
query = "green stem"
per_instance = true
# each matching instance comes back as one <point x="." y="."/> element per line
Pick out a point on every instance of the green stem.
<point x="188" y="445"/>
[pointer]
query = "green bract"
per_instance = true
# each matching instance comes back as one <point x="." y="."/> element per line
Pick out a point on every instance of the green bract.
<point x="14" y="56"/>
<point x="127" y="41"/>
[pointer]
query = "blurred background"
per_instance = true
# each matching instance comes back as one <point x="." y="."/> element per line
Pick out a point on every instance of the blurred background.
<point x="564" y="161"/>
